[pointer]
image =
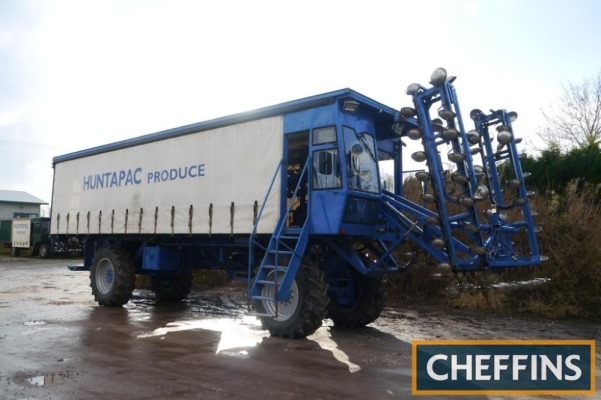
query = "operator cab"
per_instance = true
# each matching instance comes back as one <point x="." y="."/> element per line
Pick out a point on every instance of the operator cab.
<point x="341" y="193"/>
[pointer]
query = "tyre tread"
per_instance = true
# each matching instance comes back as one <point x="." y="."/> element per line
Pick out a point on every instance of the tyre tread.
<point x="124" y="277"/>
<point x="312" y="310"/>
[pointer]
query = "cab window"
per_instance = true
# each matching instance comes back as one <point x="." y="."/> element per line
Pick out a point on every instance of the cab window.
<point x="326" y="169"/>
<point x="361" y="161"/>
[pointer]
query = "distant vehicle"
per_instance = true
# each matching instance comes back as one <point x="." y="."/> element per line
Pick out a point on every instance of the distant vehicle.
<point x="32" y="235"/>
<point x="289" y="197"/>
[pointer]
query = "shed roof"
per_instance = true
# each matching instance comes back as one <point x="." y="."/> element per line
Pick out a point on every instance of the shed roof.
<point x="15" y="196"/>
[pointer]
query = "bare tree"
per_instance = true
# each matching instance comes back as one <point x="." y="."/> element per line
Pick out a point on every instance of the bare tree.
<point x="574" y="121"/>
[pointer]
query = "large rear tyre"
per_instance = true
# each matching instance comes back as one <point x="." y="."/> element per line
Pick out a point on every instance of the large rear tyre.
<point x="356" y="300"/>
<point x="172" y="288"/>
<point x="305" y="310"/>
<point x="112" y="276"/>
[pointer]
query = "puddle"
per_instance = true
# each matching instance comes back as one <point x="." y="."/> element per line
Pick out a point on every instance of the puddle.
<point x="235" y="334"/>
<point x="520" y="284"/>
<point x="512" y="285"/>
<point x="397" y="372"/>
<point x="238" y="336"/>
<point x="34" y="323"/>
<point x="45" y="380"/>
<point x="226" y="305"/>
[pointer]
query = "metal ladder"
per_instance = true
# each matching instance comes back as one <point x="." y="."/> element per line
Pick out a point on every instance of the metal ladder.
<point x="282" y="258"/>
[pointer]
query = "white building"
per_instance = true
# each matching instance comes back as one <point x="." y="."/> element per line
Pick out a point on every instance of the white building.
<point x="17" y="204"/>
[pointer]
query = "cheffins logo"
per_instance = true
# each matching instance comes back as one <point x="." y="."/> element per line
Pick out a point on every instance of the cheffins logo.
<point x="503" y="367"/>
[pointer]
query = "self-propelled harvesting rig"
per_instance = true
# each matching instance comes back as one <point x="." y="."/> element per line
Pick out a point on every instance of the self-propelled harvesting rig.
<point x="290" y="197"/>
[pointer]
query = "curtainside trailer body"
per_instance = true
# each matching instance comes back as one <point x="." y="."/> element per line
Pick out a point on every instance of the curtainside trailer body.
<point x="290" y="197"/>
<point x="204" y="182"/>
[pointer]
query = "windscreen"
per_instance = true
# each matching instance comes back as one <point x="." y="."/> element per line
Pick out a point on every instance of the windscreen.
<point x="362" y="165"/>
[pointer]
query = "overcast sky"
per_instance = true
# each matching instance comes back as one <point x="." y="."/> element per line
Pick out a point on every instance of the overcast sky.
<point x="77" y="74"/>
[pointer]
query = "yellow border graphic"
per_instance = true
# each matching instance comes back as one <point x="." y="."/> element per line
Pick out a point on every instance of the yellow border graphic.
<point x="516" y="342"/>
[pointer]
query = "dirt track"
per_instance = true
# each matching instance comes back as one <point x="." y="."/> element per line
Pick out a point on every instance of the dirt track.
<point x="55" y="343"/>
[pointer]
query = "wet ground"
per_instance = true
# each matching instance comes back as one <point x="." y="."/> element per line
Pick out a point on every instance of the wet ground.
<point x="56" y="343"/>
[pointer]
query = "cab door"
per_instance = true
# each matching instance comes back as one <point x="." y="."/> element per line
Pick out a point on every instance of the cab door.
<point x="297" y="152"/>
<point x="326" y="198"/>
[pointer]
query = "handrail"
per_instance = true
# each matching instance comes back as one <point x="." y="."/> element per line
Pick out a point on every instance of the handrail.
<point x="254" y="231"/>
<point x="277" y="171"/>
<point x="279" y="227"/>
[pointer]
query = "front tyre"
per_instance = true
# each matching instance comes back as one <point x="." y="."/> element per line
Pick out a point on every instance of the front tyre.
<point x="304" y="311"/>
<point x="112" y="276"/>
<point x="355" y="300"/>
